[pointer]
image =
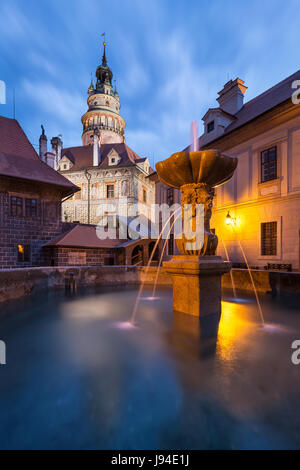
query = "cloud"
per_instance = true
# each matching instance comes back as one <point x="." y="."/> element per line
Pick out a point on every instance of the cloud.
<point x="61" y="103"/>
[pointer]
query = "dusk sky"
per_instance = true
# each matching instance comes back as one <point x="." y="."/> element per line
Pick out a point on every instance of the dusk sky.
<point x="169" y="58"/>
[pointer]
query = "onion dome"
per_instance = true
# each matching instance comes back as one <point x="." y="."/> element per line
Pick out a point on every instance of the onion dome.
<point x="104" y="74"/>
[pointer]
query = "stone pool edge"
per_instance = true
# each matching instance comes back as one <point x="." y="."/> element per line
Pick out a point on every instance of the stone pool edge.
<point x="15" y="283"/>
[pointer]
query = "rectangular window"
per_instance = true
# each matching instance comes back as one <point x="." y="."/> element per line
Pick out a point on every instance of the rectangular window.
<point x="269" y="239"/>
<point x="23" y="253"/>
<point x="269" y="164"/>
<point x="16" y="206"/>
<point x="171" y="245"/>
<point x="170" y="196"/>
<point x="144" y="195"/>
<point x="78" y="195"/>
<point x="110" y="191"/>
<point x="210" y="126"/>
<point x="30" y="207"/>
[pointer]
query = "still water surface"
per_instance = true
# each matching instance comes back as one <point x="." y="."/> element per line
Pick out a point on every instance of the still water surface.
<point x="79" y="377"/>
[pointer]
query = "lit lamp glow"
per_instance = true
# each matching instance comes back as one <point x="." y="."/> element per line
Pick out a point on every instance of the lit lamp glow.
<point x="230" y="220"/>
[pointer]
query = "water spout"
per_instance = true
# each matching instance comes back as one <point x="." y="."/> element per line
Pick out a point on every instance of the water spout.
<point x="231" y="274"/>
<point x="147" y="269"/>
<point x="161" y="257"/>
<point x="253" y="283"/>
<point x="194" y="137"/>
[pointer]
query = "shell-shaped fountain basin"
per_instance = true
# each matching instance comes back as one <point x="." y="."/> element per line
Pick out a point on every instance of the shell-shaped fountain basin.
<point x="205" y="166"/>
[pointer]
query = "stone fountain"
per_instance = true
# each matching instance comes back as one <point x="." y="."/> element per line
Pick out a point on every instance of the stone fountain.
<point x="197" y="272"/>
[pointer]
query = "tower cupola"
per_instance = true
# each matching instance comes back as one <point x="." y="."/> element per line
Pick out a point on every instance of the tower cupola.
<point x="103" y="112"/>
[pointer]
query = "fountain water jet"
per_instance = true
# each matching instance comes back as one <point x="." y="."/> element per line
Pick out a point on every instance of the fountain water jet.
<point x="138" y="298"/>
<point x="231" y="275"/>
<point x="161" y="257"/>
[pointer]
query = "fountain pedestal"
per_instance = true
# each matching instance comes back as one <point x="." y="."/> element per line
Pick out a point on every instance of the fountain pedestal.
<point x="197" y="283"/>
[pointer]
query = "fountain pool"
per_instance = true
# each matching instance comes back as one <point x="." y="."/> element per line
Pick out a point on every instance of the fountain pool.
<point x="80" y="376"/>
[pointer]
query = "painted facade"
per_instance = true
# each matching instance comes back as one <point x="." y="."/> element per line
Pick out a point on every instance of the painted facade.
<point x="105" y="168"/>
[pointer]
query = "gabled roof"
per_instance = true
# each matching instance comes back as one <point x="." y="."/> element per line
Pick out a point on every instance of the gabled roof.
<point x="82" y="157"/>
<point x="84" y="236"/>
<point x="220" y="110"/>
<point x="18" y="159"/>
<point x="13" y="139"/>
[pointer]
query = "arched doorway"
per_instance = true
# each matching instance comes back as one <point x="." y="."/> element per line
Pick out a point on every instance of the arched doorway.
<point x="137" y="255"/>
<point x="151" y="248"/>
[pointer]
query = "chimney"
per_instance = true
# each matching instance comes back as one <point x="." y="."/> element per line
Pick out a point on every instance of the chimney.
<point x="231" y="98"/>
<point x="96" y="149"/>
<point x="50" y="159"/>
<point x="57" y="144"/>
<point x="42" y="144"/>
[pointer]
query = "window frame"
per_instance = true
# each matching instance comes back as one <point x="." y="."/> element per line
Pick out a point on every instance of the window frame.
<point x="20" y="199"/>
<point x="107" y="185"/>
<point x="144" y="195"/>
<point x="31" y="213"/>
<point x="268" y="244"/>
<point x="210" y="127"/>
<point x="26" y="254"/>
<point x="263" y="165"/>
<point x="170" y="196"/>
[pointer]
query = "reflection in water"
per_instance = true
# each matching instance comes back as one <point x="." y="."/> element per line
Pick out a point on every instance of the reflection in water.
<point x="233" y="327"/>
<point x="195" y="337"/>
<point x="174" y="382"/>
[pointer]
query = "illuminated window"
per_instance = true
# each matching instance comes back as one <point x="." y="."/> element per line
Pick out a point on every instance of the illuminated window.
<point x="23" y="253"/>
<point x="269" y="238"/>
<point x="210" y="126"/>
<point x="144" y="195"/>
<point x="78" y="194"/>
<point x="110" y="191"/>
<point x="16" y="206"/>
<point x="30" y="207"/>
<point x="269" y="164"/>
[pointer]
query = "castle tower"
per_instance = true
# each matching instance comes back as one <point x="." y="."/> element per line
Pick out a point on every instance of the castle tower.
<point x="103" y="112"/>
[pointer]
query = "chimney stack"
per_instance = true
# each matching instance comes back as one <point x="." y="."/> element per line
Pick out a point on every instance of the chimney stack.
<point x="57" y="144"/>
<point x="96" y="149"/>
<point x="43" y="144"/>
<point x="50" y="159"/>
<point x="231" y="98"/>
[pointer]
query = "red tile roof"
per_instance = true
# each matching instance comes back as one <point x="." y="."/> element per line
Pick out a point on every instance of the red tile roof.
<point x="18" y="158"/>
<point x="84" y="236"/>
<point x="14" y="141"/>
<point x="82" y="157"/>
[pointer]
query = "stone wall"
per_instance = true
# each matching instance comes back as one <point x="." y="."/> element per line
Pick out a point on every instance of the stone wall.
<point x="24" y="230"/>
<point x="18" y="282"/>
<point x="91" y="257"/>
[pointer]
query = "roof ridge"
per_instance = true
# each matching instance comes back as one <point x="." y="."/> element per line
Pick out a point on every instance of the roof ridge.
<point x="269" y="90"/>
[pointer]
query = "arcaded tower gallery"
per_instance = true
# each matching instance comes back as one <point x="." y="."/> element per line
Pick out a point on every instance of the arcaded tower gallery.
<point x="103" y="114"/>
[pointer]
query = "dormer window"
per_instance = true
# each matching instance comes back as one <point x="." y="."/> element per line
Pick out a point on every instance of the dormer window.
<point x="210" y="126"/>
<point x="113" y="158"/>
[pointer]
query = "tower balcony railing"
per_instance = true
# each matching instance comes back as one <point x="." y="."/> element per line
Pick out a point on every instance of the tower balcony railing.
<point x="104" y="127"/>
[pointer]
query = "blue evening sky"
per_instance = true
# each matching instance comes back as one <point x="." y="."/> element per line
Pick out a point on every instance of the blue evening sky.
<point x="169" y="57"/>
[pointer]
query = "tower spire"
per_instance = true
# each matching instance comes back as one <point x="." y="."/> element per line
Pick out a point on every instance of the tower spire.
<point x="104" y="60"/>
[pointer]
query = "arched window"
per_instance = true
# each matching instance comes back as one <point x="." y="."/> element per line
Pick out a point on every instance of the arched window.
<point x="137" y="255"/>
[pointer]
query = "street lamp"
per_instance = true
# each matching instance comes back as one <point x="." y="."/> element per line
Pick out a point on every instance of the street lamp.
<point x="230" y="220"/>
<point x="88" y="177"/>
